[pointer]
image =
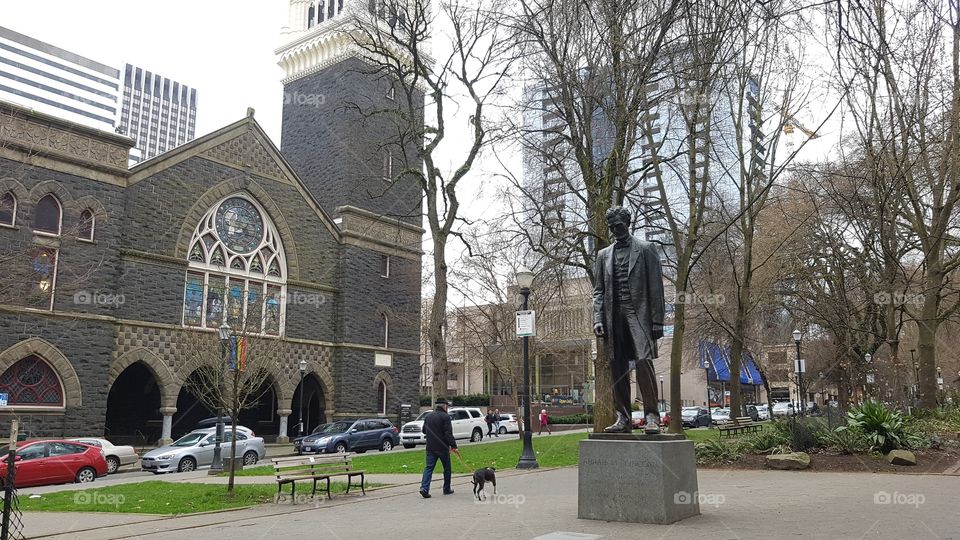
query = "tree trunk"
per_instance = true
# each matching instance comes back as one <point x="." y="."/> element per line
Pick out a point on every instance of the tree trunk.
<point x="234" y="414"/>
<point x="438" y="317"/>
<point x="927" y="328"/>
<point x="676" y="362"/>
<point x="602" y="390"/>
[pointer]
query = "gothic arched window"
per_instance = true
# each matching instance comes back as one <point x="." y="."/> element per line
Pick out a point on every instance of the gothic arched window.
<point x="237" y="270"/>
<point x="87" y="224"/>
<point x="8" y="209"/>
<point x="31" y="381"/>
<point x="382" y="398"/>
<point x="47" y="215"/>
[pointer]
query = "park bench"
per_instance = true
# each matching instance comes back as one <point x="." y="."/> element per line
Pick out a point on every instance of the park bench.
<point x="740" y="424"/>
<point x="291" y="470"/>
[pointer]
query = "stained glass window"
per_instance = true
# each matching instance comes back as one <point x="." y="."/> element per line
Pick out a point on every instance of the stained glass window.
<point x="31" y="381"/>
<point x="235" y="239"/>
<point x="43" y="264"/>
<point x="193" y="300"/>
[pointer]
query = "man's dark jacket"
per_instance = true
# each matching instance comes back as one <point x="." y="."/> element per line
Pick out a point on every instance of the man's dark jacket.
<point x="439" y="432"/>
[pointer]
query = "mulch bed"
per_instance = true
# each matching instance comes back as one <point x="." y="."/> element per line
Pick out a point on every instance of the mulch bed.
<point x="928" y="462"/>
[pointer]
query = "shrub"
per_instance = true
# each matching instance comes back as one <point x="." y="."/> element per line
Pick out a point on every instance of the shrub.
<point x="719" y="450"/>
<point x="846" y="440"/>
<point x="471" y="400"/>
<point x="801" y="434"/>
<point x="885" y="429"/>
<point x="573" y="419"/>
<point x="766" y="441"/>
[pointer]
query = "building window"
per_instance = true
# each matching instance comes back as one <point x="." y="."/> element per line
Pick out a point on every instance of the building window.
<point x="31" y="381"/>
<point x="87" y="224"/>
<point x="237" y="270"/>
<point x="385" y="328"/>
<point x="385" y="266"/>
<point x="8" y="209"/>
<point x="43" y="280"/>
<point x="382" y="398"/>
<point x="47" y="216"/>
<point x="388" y="165"/>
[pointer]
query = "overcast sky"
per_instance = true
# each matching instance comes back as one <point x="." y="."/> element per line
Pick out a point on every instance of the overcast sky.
<point x="223" y="49"/>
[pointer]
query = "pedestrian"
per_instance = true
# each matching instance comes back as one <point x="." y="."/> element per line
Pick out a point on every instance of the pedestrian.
<point x="439" y="431"/>
<point x="489" y="420"/>
<point x="544" y="422"/>
<point x="496" y="422"/>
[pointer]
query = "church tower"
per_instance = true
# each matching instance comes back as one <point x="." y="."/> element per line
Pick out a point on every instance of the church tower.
<point x="346" y="155"/>
<point x="350" y="160"/>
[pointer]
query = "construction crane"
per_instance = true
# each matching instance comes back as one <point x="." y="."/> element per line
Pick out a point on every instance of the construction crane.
<point x="792" y="124"/>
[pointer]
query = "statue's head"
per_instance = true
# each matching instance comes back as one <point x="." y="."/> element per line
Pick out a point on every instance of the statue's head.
<point x="618" y="221"/>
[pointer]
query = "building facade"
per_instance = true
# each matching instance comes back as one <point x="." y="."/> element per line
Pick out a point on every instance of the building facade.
<point x="121" y="274"/>
<point x="158" y="113"/>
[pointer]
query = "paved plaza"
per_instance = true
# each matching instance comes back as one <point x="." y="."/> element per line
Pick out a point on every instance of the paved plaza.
<point x="543" y="505"/>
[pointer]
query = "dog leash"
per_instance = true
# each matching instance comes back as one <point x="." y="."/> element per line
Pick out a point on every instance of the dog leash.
<point x="457" y="452"/>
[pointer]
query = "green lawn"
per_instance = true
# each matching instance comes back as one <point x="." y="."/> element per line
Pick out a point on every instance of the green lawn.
<point x="553" y="451"/>
<point x="157" y="497"/>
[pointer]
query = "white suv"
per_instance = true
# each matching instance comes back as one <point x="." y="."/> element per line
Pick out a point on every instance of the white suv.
<point x="467" y="423"/>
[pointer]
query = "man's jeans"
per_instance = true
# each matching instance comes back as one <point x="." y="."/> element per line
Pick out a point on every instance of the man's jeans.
<point x="428" y="471"/>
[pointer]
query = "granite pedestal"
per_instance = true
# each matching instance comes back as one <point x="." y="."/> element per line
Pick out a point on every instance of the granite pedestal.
<point x="637" y="479"/>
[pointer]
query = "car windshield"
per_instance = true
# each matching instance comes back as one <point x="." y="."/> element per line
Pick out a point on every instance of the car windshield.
<point x="423" y="415"/>
<point x="189" y="439"/>
<point x="319" y="429"/>
<point x="337" y="427"/>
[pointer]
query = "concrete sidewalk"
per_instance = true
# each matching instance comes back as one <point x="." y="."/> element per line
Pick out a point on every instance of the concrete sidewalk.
<point x="543" y="505"/>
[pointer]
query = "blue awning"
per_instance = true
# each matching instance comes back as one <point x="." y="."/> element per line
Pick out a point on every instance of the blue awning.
<point x="720" y="366"/>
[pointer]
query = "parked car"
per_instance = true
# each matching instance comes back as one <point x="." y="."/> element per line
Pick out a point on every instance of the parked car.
<point x="195" y="450"/>
<point x="638" y="419"/>
<point x="694" y="417"/>
<point x="763" y="412"/>
<point x="297" y="442"/>
<point x="116" y="456"/>
<point x="353" y="436"/>
<point x="783" y="408"/>
<point x="720" y="415"/>
<point x="467" y="423"/>
<point x="508" y="424"/>
<point x="753" y="412"/>
<point x="208" y="423"/>
<point x="42" y="463"/>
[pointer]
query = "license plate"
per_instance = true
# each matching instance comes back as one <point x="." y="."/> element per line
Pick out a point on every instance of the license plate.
<point x="306" y="448"/>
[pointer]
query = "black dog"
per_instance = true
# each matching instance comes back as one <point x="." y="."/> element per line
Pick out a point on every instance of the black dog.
<point x="480" y="476"/>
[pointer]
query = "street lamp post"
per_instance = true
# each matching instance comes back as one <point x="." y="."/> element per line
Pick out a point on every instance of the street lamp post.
<point x="528" y="459"/>
<point x="303" y="371"/>
<point x="800" y="368"/>
<point x="663" y="402"/>
<point x="706" y="370"/>
<point x="216" y="466"/>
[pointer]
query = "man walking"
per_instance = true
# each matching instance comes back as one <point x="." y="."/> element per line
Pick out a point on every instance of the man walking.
<point x="496" y="422"/>
<point x="489" y="420"/>
<point x="439" y="432"/>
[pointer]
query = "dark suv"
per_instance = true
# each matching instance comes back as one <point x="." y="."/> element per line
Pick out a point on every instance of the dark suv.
<point x="352" y="436"/>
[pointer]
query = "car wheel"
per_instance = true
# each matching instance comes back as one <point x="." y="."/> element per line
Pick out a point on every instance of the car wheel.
<point x="405" y="445"/>
<point x="86" y="474"/>
<point x="386" y="445"/>
<point x="502" y="430"/>
<point x="477" y="435"/>
<point x="250" y="458"/>
<point x="112" y="464"/>
<point x="341" y="448"/>
<point x="187" y="464"/>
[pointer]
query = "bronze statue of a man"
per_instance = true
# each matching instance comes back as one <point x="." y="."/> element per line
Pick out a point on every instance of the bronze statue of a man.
<point x="628" y="312"/>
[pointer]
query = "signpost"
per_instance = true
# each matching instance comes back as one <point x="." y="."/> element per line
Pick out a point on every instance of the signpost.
<point x="527" y="323"/>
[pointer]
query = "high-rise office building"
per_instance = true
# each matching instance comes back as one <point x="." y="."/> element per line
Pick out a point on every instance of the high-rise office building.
<point x="158" y="113"/>
<point x="58" y="82"/>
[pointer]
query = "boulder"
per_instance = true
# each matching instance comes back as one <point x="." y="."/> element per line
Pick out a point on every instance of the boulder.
<point x="789" y="462"/>
<point x="901" y="457"/>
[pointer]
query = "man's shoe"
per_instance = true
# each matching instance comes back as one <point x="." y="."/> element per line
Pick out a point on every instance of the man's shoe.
<point x="424" y="494"/>
<point x="448" y="492"/>
<point x="622" y="425"/>
<point x="652" y="426"/>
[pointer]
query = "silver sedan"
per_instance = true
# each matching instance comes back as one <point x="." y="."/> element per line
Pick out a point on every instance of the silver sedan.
<point x="195" y="450"/>
<point x="116" y="456"/>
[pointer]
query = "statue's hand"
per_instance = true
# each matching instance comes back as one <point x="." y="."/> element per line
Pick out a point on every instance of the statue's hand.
<point x="598" y="329"/>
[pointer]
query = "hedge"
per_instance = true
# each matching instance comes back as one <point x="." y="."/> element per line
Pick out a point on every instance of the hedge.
<point x="470" y="400"/>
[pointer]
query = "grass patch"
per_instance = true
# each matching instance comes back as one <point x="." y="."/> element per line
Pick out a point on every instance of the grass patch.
<point x="165" y="498"/>
<point x="553" y="451"/>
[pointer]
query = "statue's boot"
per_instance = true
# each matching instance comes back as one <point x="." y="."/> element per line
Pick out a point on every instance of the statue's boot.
<point x="622" y="425"/>
<point x="652" y="425"/>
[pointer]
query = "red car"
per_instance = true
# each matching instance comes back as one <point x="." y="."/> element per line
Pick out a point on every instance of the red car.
<point x="639" y="420"/>
<point x="40" y="463"/>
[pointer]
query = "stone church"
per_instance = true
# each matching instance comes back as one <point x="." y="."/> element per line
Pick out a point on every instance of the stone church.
<point x="110" y="273"/>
